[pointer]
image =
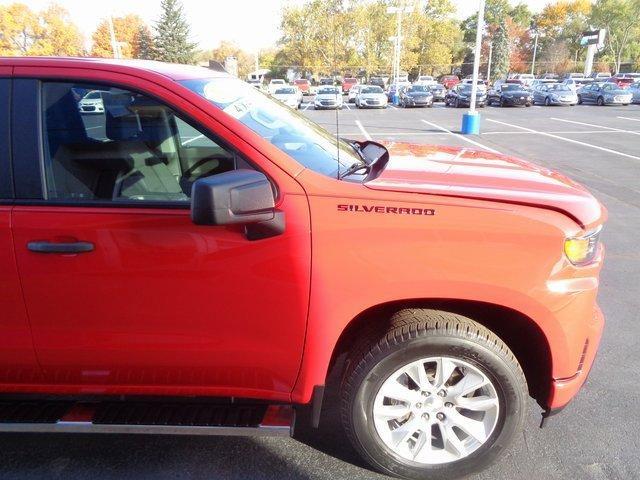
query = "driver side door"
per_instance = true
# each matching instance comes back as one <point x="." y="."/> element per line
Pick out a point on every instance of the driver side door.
<point x="153" y="304"/>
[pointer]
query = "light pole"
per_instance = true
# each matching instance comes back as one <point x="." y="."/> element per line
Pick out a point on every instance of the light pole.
<point x="489" y="63"/>
<point x="395" y="74"/>
<point x="471" y="120"/>
<point x="115" y="45"/>
<point x="535" y="47"/>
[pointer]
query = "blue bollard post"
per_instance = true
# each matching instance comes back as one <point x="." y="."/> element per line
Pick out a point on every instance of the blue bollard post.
<point x="470" y="123"/>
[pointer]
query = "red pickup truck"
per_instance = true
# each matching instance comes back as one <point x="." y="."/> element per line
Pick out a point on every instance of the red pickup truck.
<point x="192" y="257"/>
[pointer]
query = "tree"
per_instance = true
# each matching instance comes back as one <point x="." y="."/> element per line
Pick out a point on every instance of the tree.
<point x="563" y="21"/>
<point x="620" y="19"/>
<point x="49" y="32"/>
<point x="500" y="61"/>
<point x="145" y="45"/>
<point x="229" y="49"/>
<point x="126" y="30"/>
<point x="172" y="34"/>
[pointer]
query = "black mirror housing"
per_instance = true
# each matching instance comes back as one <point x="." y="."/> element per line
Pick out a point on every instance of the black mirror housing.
<point x="237" y="197"/>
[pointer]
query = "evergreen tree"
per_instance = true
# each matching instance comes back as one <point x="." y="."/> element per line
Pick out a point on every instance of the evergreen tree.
<point x="501" y="53"/>
<point x="172" y="35"/>
<point x="145" y="44"/>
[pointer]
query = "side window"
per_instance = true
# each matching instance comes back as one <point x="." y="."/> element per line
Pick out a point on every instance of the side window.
<point x="103" y="143"/>
<point x="5" y="142"/>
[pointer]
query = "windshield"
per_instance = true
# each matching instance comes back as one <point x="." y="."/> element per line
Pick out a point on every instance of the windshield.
<point x="417" y="88"/>
<point x="559" y="87"/>
<point x="328" y="90"/>
<point x="306" y="142"/>
<point x="301" y="82"/>
<point x="277" y="82"/>
<point x="373" y="89"/>
<point x="285" y="91"/>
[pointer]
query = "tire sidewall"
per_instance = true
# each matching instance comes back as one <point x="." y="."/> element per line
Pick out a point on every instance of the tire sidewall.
<point x="505" y="380"/>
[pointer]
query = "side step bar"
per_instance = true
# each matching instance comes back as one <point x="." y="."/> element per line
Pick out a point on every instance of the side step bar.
<point x="147" y="418"/>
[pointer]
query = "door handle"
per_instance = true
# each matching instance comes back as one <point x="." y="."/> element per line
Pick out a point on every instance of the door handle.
<point x="52" y="247"/>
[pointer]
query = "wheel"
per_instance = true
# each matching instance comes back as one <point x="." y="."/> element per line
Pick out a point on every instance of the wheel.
<point x="579" y="99"/>
<point x="600" y="102"/>
<point x="527" y="105"/>
<point x="489" y="102"/>
<point x="456" y="103"/>
<point x="434" y="396"/>
<point x="547" y="101"/>
<point x="502" y="103"/>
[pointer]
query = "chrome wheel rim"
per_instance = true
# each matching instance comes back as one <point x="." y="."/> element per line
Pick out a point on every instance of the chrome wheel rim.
<point x="436" y="410"/>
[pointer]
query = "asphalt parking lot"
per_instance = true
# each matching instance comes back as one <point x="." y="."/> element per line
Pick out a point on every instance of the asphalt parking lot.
<point x="597" y="435"/>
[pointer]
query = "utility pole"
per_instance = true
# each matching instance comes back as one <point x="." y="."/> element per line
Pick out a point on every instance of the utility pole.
<point x="471" y="120"/>
<point x="489" y="62"/>
<point x="115" y="46"/>
<point x="534" y="27"/>
<point x="395" y="74"/>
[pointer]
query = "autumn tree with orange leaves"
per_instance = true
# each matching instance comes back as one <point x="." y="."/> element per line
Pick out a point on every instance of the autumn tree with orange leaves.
<point x="127" y="30"/>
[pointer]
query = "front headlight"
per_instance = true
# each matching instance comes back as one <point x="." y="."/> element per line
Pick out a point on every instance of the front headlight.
<point x="582" y="250"/>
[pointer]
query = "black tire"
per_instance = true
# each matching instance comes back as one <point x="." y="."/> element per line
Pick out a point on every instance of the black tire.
<point x="502" y="103"/>
<point x="600" y="102"/>
<point x="547" y="102"/>
<point x="414" y="334"/>
<point x="579" y="99"/>
<point x="456" y="103"/>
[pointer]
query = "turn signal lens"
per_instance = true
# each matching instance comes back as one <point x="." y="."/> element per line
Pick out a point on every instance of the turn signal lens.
<point x="582" y="250"/>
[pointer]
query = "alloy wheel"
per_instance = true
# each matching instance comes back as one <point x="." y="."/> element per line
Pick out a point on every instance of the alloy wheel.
<point x="436" y="410"/>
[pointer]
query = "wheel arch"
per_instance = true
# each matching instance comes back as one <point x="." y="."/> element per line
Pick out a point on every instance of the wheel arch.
<point x="521" y="333"/>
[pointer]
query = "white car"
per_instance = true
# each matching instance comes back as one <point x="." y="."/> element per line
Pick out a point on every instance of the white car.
<point x="482" y="86"/>
<point x="290" y="96"/>
<point x="353" y="93"/>
<point x="328" y="97"/>
<point x="526" y="78"/>
<point x="576" y="83"/>
<point x="371" y="96"/>
<point x="424" y="80"/>
<point x="91" y="102"/>
<point x="275" y="84"/>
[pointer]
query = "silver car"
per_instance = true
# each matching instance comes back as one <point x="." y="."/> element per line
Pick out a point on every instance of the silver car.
<point x="604" y="94"/>
<point x="634" y="88"/>
<point x="554" y="94"/>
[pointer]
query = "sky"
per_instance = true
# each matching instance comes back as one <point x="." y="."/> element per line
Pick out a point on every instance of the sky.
<point x="252" y="24"/>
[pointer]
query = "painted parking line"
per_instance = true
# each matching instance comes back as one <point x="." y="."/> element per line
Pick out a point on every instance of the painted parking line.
<point x="629" y="118"/>
<point x="364" y="132"/>
<point x="306" y="106"/>
<point x="595" y="125"/>
<point x="461" y="137"/>
<point x="569" y="140"/>
<point x="556" y="132"/>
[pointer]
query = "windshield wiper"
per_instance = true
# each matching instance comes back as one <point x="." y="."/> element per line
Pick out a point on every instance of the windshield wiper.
<point x="355" y="168"/>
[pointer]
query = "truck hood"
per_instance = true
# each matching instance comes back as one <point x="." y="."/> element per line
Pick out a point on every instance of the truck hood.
<point x="472" y="173"/>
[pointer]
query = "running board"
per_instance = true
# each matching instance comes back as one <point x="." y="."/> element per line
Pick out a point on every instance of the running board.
<point x="147" y="418"/>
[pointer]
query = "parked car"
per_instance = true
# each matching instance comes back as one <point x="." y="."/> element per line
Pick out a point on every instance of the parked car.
<point x="371" y="96"/>
<point x="482" y="85"/>
<point x="303" y="85"/>
<point x="574" y="75"/>
<point x="549" y="76"/>
<point x="415" y="96"/>
<point x="424" y="79"/>
<point x="605" y="93"/>
<point x="290" y="96"/>
<point x="326" y="81"/>
<point x="635" y="91"/>
<point x="576" y="83"/>
<point x="460" y="96"/>
<point x="378" y="81"/>
<point x="275" y="84"/>
<point x="538" y="82"/>
<point x="600" y="76"/>
<point x="554" y="94"/>
<point x="438" y="91"/>
<point x="347" y="83"/>
<point x="393" y="89"/>
<point x="509" y="95"/>
<point x="328" y="97"/>
<point x="526" y="78"/>
<point x="623" y="80"/>
<point x="150" y="285"/>
<point x="353" y="93"/>
<point x="449" y="81"/>
<point x="91" y="102"/>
